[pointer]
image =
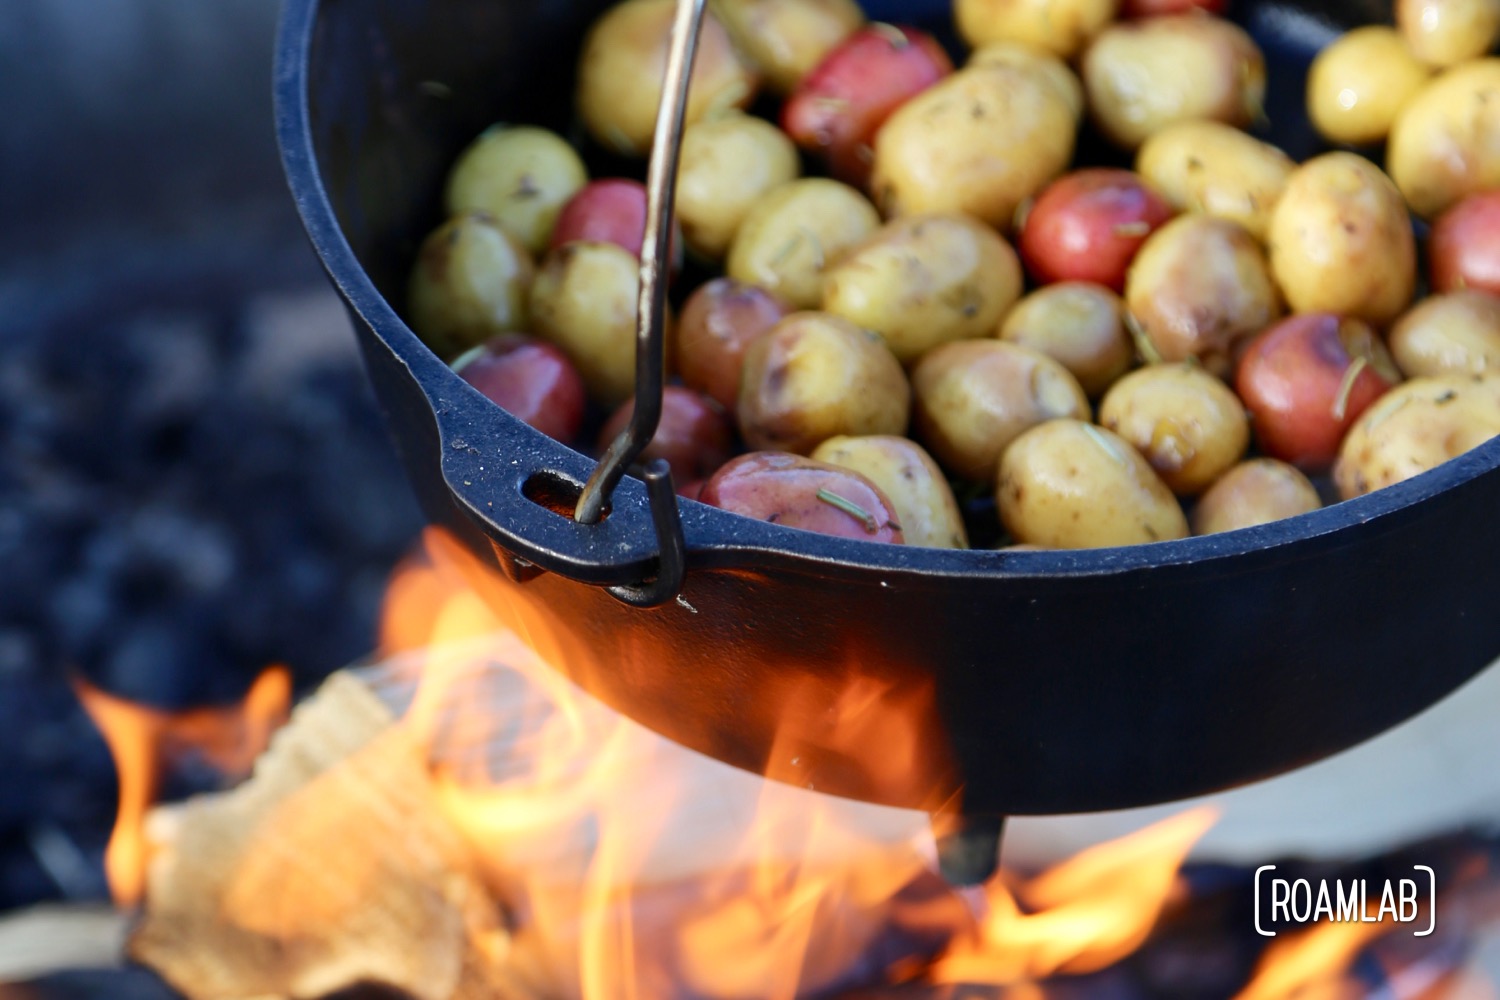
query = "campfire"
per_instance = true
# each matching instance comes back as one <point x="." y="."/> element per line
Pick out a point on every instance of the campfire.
<point x="455" y="820"/>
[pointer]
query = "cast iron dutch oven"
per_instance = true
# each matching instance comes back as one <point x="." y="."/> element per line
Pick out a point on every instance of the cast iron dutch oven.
<point x="1031" y="682"/>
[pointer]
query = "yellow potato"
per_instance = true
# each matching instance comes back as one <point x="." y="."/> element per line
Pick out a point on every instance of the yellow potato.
<point x="786" y="39"/>
<point x="906" y="474"/>
<point x="1062" y="27"/>
<point x="1197" y="288"/>
<point x="814" y="376"/>
<point x="974" y="397"/>
<point x="1078" y="324"/>
<point x="1415" y="427"/>
<point x="981" y="142"/>
<point x="1449" y="334"/>
<point x="584" y="301"/>
<point x="1259" y="491"/>
<point x="519" y="176"/>
<point x="795" y="233"/>
<point x="1141" y="76"/>
<point x="1448" y="32"/>
<point x="1045" y="66"/>
<point x="1189" y="425"/>
<point x="624" y="62"/>
<point x="728" y="162"/>
<point x="1359" y="83"/>
<point x="470" y="283"/>
<point x="1445" y="143"/>
<point x="1210" y="167"/>
<point x="1070" y="485"/>
<point x="925" y="280"/>
<point x="1341" y="241"/>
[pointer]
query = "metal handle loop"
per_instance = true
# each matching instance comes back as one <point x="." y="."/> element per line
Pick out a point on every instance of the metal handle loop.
<point x="672" y="566"/>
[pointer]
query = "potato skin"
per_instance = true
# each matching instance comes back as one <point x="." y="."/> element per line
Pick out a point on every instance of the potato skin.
<point x="1259" y="491"/>
<point x="1415" y="427"/>
<point x="1088" y="225"/>
<point x="1039" y="63"/>
<point x="719" y="321"/>
<point x="1078" y="324"/>
<point x="728" y="162"/>
<point x="471" y="282"/>
<point x="1061" y="27"/>
<point x="693" y="435"/>
<point x="1453" y="334"/>
<point x="974" y="397"/>
<point x="906" y="474"/>
<point x="814" y="376"/>
<point x="1341" y="241"/>
<point x="1463" y="249"/>
<point x="1448" y="32"/>
<point x="1442" y="144"/>
<point x="786" y="39"/>
<point x="1067" y="484"/>
<point x="785" y="489"/>
<point x="532" y="380"/>
<point x="981" y="142"/>
<point x="1189" y="425"/>
<point x="520" y="176"/>
<point x="792" y="235"/>
<point x="1359" y="83"/>
<point x="924" y="280"/>
<point x="1210" y="167"/>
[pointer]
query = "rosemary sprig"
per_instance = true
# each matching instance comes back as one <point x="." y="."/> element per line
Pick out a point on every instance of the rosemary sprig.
<point x="851" y="508"/>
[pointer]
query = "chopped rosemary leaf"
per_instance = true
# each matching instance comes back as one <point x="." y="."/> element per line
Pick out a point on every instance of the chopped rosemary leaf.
<point x="851" y="508"/>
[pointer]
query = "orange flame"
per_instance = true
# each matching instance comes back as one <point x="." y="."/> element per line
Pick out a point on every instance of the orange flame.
<point x="143" y="739"/>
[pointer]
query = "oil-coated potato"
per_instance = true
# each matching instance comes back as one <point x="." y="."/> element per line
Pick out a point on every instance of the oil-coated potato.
<point x="1443" y="143"/>
<point x="623" y="65"/>
<point x="719" y="321"/>
<point x="1197" y="289"/>
<point x="974" y="397"/>
<point x="728" y="162"/>
<point x="981" y="142"/>
<point x="1449" y="334"/>
<point x="796" y="492"/>
<point x="1448" y="32"/>
<point x="1359" y="83"/>
<point x="814" y="376"/>
<point x="521" y="177"/>
<point x="1463" y="251"/>
<point x="925" y="280"/>
<point x="910" y="478"/>
<point x="1088" y="225"/>
<point x="1039" y="63"/>
<point x="1415" y="427"/>
<point x="787" y="39"/>
<point x="531" y="379"/>
<point x="470" y="283"/>
<point x="1071" y="485"/>
<point x="693" y="435"/>
<point x="584" y="301"/>
<point x="1079" y="325"/>
<point x="1259" y="491"/>
<point x="1189" y="425"/>
<point x="1062" y="27"/>
<point x="1141" y="76"/>
<point x="1341" y="241"/>
<point x="1216" y="169"/>
<point x="794" y="234"/>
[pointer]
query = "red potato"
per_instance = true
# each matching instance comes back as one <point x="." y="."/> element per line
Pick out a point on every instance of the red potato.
<point x="1162" y="8"/>
<point x="718" y="322"/>
<point x="840" y="105"/>
<point x="1088" y="225"/>
<point x="1306" y="381"/>
<point x="612" y="210"/>
<point x="693" y="437"/>
<point x="1464" y="249"/>
<point x="531" y="379"/>
<point x="798" y="492"/>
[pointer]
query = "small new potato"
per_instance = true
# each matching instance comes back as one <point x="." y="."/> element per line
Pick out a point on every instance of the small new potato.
<point x="974" y="397"/>
<point x="693" y="435"/>
<point x="728" y="162"/>
<point x="1088" y="225"/>
<point x="1259" y="491"/>
<point x="624" y="62"/>
<point x="794" y="234"/>
<point x="1141" y="76"/>
<point x="924" y="280"/>
<point x="786" y="39"/>
<point x="1037" y="62"/>
<point x="1189" y="425"/>
<point x="534" y="381"/>
<point x="980" y="142"/>
<point x="1210" y="167"/>
<point x="1341" y="241"/>
<point x="1443" y="144"/>
<point x="910" y="478"/>
<point x="1067" y="484"/>
<point x="718" y="322"/>
<point x="470" y="283"/>
<point x="796" y="492"/>
<point x="1061" y="27"/>
<point x="1078" y="324"/>
<point x="1198" y="288"/>
<point x="1463" y="250"/>
<point x="1415" y="427"/>
<point x="520" y="176"/>
<point x="814" y="376"/>
<point x="1457" y="333"/>
<point x="1359" y="83"/>
<point x="1448" y="32"/>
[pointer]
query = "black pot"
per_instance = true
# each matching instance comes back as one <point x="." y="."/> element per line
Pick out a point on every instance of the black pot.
<point x="1034" y="682"/>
